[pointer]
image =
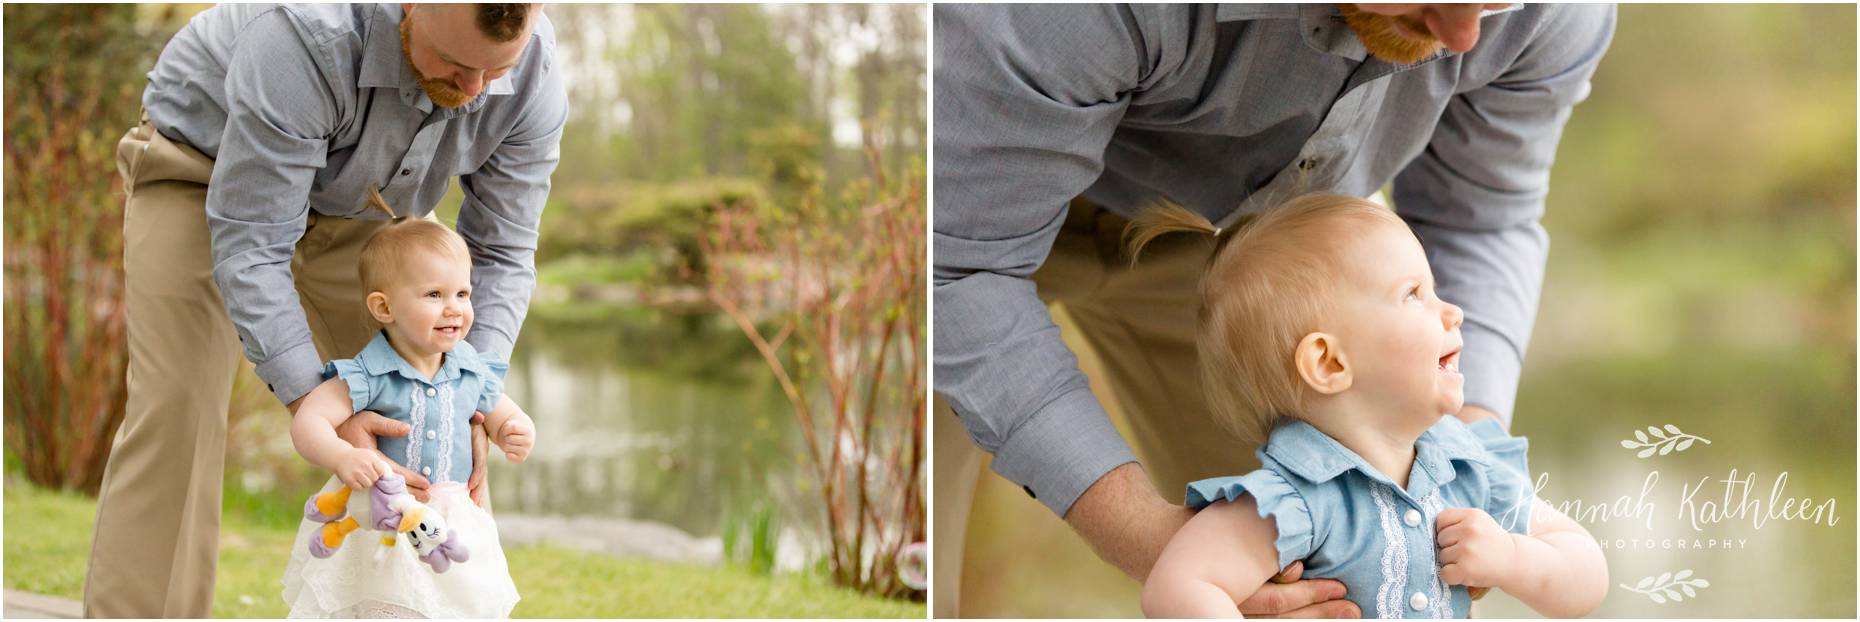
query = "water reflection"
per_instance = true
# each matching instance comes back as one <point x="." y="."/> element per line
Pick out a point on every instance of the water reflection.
<point x="647" y="415"/>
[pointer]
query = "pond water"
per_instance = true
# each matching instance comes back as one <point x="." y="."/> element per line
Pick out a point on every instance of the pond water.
<point x="649" y="416"/>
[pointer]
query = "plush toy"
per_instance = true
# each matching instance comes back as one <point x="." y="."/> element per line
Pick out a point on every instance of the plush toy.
<point x="388" y="508"/>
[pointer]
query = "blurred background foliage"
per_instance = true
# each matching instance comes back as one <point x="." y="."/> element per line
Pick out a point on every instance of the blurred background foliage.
<point x="1701" y="274"/>
<point x="63" y="220"/>
<point x="653" y="407"/>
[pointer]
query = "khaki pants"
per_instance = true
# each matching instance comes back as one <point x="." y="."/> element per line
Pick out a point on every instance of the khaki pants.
<point x="1140" y="323"/>
<point x="157" y="534"/>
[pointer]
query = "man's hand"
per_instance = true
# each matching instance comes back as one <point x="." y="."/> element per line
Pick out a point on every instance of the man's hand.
<point x="1288" y="597"/>
<point x="361" y="429"/>
<point x="1127" y="523"/>
<point x="478" y="484"/>
<point x="1474" y="550"/>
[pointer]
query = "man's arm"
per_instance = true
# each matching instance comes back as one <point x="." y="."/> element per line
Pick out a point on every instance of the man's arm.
<point x="503" y="207"/>
<point x="1475" y="196"/>
<point x="1029" y="97"/>
<point x="279" y="109"/>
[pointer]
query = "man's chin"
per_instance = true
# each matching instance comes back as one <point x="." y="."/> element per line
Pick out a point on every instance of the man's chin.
<point x="1404" y="54"/>
<point x="447" y="98"/>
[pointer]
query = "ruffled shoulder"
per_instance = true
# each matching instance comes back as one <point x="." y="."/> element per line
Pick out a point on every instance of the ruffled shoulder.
<point x="488" y="368"/>
<point x="1510" y="495"/>
<point x="1276" y="499"/>
<point x="361" y="383"/>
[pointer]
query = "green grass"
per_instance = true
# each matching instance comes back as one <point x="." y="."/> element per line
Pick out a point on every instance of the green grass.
<point x="48" y="541"/>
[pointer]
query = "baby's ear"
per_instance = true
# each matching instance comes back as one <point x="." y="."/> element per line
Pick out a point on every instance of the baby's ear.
<point x="1321" y="363"/>
<point x="378" y="307"/>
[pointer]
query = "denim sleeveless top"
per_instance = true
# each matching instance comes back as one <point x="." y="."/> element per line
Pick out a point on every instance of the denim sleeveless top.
<point x="1350" y="523"/>
<point x="438" y="409"/>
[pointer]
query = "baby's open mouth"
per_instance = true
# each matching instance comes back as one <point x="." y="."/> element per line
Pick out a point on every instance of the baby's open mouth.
<point x="449" y="331"/>
<point x="1451" y="362"/>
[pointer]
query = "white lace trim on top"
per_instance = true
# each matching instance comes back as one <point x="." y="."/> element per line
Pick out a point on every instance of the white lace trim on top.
<point x="1391" y="597"/>
<point x="443" y="470"/>
<point x="416" y="412"/>
<point x="1438" y="594"/>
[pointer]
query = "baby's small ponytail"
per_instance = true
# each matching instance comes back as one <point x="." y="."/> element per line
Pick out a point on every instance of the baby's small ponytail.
<point x="375" y="201"/>
<point x="1160" y="219"/>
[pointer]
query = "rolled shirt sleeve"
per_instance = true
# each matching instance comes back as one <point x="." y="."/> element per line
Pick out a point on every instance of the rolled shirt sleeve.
<point x="502" y="212"/>
<point x="279" y="111"/>
<point x="1027" y="99"/>
<point x="1475" y="196"/>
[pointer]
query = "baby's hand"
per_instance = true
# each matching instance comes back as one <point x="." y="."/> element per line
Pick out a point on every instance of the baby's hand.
<point x="1474" y="550"/>
<point x="359" y="468"/>
<point x="517" y="436"/>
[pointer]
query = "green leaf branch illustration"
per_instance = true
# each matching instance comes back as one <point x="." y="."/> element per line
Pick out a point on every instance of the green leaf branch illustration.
<point x="1662" y="441"/>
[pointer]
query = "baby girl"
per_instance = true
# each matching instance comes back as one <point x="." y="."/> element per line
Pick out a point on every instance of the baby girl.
<point x="1321" y="334"/>
<point x="418" y="370"/>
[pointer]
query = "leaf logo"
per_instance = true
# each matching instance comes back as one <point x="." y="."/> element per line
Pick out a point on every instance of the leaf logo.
<point x="1662" y="441"/>
<point x="1669" y="586"/>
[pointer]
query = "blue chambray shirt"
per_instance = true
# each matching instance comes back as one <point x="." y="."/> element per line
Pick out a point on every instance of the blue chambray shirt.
<point x="439" y="410"/>
<point x="1350" y="523"/>
<point x="1223" y="109"/>
<point x="302" y="107"/>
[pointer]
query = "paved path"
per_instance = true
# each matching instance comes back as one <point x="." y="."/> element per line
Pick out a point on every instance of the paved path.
<point x="29" y="605"/>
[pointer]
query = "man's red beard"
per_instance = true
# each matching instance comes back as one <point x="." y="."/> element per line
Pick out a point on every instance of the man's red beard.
<point x="443" y="93"/>
<point x="1385" y="40"/>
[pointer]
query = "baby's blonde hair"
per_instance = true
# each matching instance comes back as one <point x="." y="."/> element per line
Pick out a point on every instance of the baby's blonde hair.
<point x="388" y="248"/>
<point x="1267" y="285"/>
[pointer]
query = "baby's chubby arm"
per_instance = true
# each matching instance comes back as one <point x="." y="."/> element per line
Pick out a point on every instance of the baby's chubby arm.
<point x="1558" y="570"/>
<point x="511" y="429"/>
<point x="313" y="433"/>
<point x="1219" y="558"/>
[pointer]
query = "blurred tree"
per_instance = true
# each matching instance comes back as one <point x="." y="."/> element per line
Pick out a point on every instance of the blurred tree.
<point x="66" y="353"/>
<point x="666" y="94"/>
<point x="834" y="303"/>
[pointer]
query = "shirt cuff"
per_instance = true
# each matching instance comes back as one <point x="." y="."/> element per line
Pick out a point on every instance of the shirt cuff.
<point x="292" y="373"/>
<point x="491" y="343"/>
<point x="1062" y="450"/>
<point x="1492" y="368"/>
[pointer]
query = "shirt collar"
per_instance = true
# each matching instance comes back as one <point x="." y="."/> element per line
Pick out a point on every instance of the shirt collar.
<point x="378" y="358"/>
<point x="1321" y="25"/>
<point x="384" y="65"/>
<point x="1313" y="455"/>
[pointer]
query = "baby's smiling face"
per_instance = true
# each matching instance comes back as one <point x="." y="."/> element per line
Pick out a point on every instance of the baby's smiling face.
<point x="1402" y="340"/>
<point x="430" y="301"/>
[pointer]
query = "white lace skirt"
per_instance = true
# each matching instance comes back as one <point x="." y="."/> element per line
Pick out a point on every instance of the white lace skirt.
<point x="365" y="578"/>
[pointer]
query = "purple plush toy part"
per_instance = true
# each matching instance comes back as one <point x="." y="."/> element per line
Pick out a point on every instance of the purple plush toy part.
<point x="442" y="557"/>
<point x="388" y="504"/>
<point x="380" y="500"/>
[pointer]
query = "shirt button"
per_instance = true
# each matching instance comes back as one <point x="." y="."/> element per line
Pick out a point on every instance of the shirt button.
<point x="431" y="391"/>
<point x="1413" y="518"/>
<point x="405" y="172"/>
<point x="1418" y="601"/>
<point x="429" y="471"/>
<point x="1307" y="164"/>
<point x="430" y="435"/>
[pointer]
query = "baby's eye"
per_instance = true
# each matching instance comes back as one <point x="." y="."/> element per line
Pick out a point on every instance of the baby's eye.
<point x="432" y="294"/>
<point x="464" y="294"/>
<point x="1414" y="294"/>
